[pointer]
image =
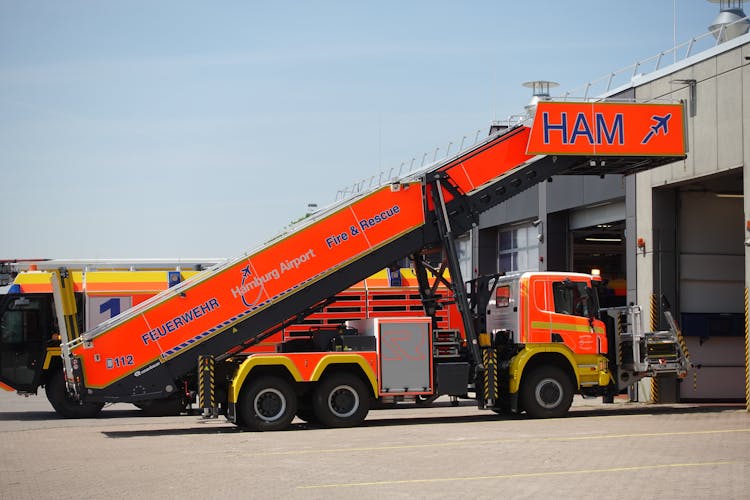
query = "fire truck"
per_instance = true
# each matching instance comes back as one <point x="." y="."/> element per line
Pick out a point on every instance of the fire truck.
<point x="549" y="342"/>
<point x="29" y="335"/>
<point x="103" y="288"/>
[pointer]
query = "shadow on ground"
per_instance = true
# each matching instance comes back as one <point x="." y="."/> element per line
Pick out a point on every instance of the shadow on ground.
<point x="481" y="416"/>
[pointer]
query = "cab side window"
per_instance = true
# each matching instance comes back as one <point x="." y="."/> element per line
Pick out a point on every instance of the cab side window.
<point x="23" y="321"/>
<point x="570" y="298"/>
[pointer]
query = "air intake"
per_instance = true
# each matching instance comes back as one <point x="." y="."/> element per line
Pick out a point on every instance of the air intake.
<point x="731" y="21"/>
<point x="540" y="91"/>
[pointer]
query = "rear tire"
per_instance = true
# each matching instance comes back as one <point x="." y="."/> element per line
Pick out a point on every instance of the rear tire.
<point x="268" y="404"/>
<point x="546" y="392"/>
<point x="341" y="400"/>
<point x="64" y="405"/>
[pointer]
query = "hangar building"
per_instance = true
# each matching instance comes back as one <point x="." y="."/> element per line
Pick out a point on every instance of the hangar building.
<point x="681" y="230"/>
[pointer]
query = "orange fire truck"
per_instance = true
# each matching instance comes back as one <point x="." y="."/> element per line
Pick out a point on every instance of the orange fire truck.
<point x="551" y="340"/>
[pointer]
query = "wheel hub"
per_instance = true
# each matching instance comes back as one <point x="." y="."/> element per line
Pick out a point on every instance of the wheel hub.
<point x="549" y="393"/>
<point x="343" y="401"/>
<point x="269" y="404"/>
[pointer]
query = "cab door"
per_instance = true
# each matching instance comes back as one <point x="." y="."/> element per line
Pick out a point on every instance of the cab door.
<point x="25" y="327"/>
<point x="572" y="317"/>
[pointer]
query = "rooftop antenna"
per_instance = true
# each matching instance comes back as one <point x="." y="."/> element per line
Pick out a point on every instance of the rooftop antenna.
<point x="731" y="21"/>
<point x="674" y="30"/>
<point x="540" y="92"/>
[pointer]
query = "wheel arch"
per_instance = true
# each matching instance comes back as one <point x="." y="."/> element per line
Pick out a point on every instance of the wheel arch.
<point x="284" y="366"/>
<point x="357" y="367"/>
<point x="280" y="366"/>
<point x="529" y="359"/>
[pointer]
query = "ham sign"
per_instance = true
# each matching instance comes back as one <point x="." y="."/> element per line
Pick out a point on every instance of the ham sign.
<point x="607" y="129"/>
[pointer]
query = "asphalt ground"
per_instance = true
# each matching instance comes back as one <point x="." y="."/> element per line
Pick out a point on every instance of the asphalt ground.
<point x="624" y="450"/>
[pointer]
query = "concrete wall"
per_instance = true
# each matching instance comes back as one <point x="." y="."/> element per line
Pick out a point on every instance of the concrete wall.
<point x="710" y="255"/>
<point x="717" y="133"/>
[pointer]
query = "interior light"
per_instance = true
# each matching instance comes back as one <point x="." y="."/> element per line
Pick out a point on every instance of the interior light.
<point x="730" y="195"/>
<point x="604" y="240"/>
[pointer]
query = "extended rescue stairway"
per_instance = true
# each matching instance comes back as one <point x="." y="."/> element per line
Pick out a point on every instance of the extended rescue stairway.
<point x="141" y="353"/>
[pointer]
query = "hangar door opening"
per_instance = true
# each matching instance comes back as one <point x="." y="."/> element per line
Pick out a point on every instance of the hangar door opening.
<point x="711" y="264"/>
<point x="597" y="241"/>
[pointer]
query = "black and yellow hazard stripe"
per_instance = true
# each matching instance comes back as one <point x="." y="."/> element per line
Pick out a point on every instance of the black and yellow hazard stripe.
<point x="747" y="355"/>
<point x="620" y="329"/>
<point x="495" y="376"/>
<point x="206" y="382"/>
<point x="489" y="377"/>
<point x="654" y="325"/>
<point x="486" y="374"/>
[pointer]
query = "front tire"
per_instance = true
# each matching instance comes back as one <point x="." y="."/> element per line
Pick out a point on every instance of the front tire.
<point x="341" y="400"/>
<point x="268" y="404"/>
<point x="546" y="392"/>
<point x="64" y="405"/>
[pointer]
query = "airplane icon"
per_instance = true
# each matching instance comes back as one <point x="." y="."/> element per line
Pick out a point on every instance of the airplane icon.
<point x="661" y="123"/>
<point x="246" y="273"/>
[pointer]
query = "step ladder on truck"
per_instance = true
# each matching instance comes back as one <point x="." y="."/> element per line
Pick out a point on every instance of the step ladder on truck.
<point x="335" y="377"/>
<point x="30" y="353"/>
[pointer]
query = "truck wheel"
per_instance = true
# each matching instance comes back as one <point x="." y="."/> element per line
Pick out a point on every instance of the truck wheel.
<point x="64" y="405"/>
<point x="268" y="404"/>
<point x="341" y="400"/>
<point x="546" y="392"/>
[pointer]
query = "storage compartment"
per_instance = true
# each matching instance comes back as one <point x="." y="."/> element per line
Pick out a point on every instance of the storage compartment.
<point x="404" y="348"/>
<point x="452" y="378"/>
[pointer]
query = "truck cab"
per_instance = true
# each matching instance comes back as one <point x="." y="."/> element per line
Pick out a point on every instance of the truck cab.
<point x="544" y="307"/>
<point x="26" y="323"/>
<point x="555" y="340"/>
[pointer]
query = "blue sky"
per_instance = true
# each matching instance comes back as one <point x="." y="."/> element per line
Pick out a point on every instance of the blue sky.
<point x="201" y="129"/>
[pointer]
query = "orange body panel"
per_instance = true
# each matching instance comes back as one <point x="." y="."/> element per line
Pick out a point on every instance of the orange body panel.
<point x="490" y="162"/>
<point x="307" y="363"/>
<point x="212" y="303"/>
<point x="539" y="319"/>
<point x="486" y="163"/>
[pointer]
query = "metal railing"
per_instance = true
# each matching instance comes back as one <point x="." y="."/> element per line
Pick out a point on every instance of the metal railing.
<point x="592" y="90"/>
<point x="430" y="158"/>
<point x="407" y="169"/>
<point x="626" y="75"/>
